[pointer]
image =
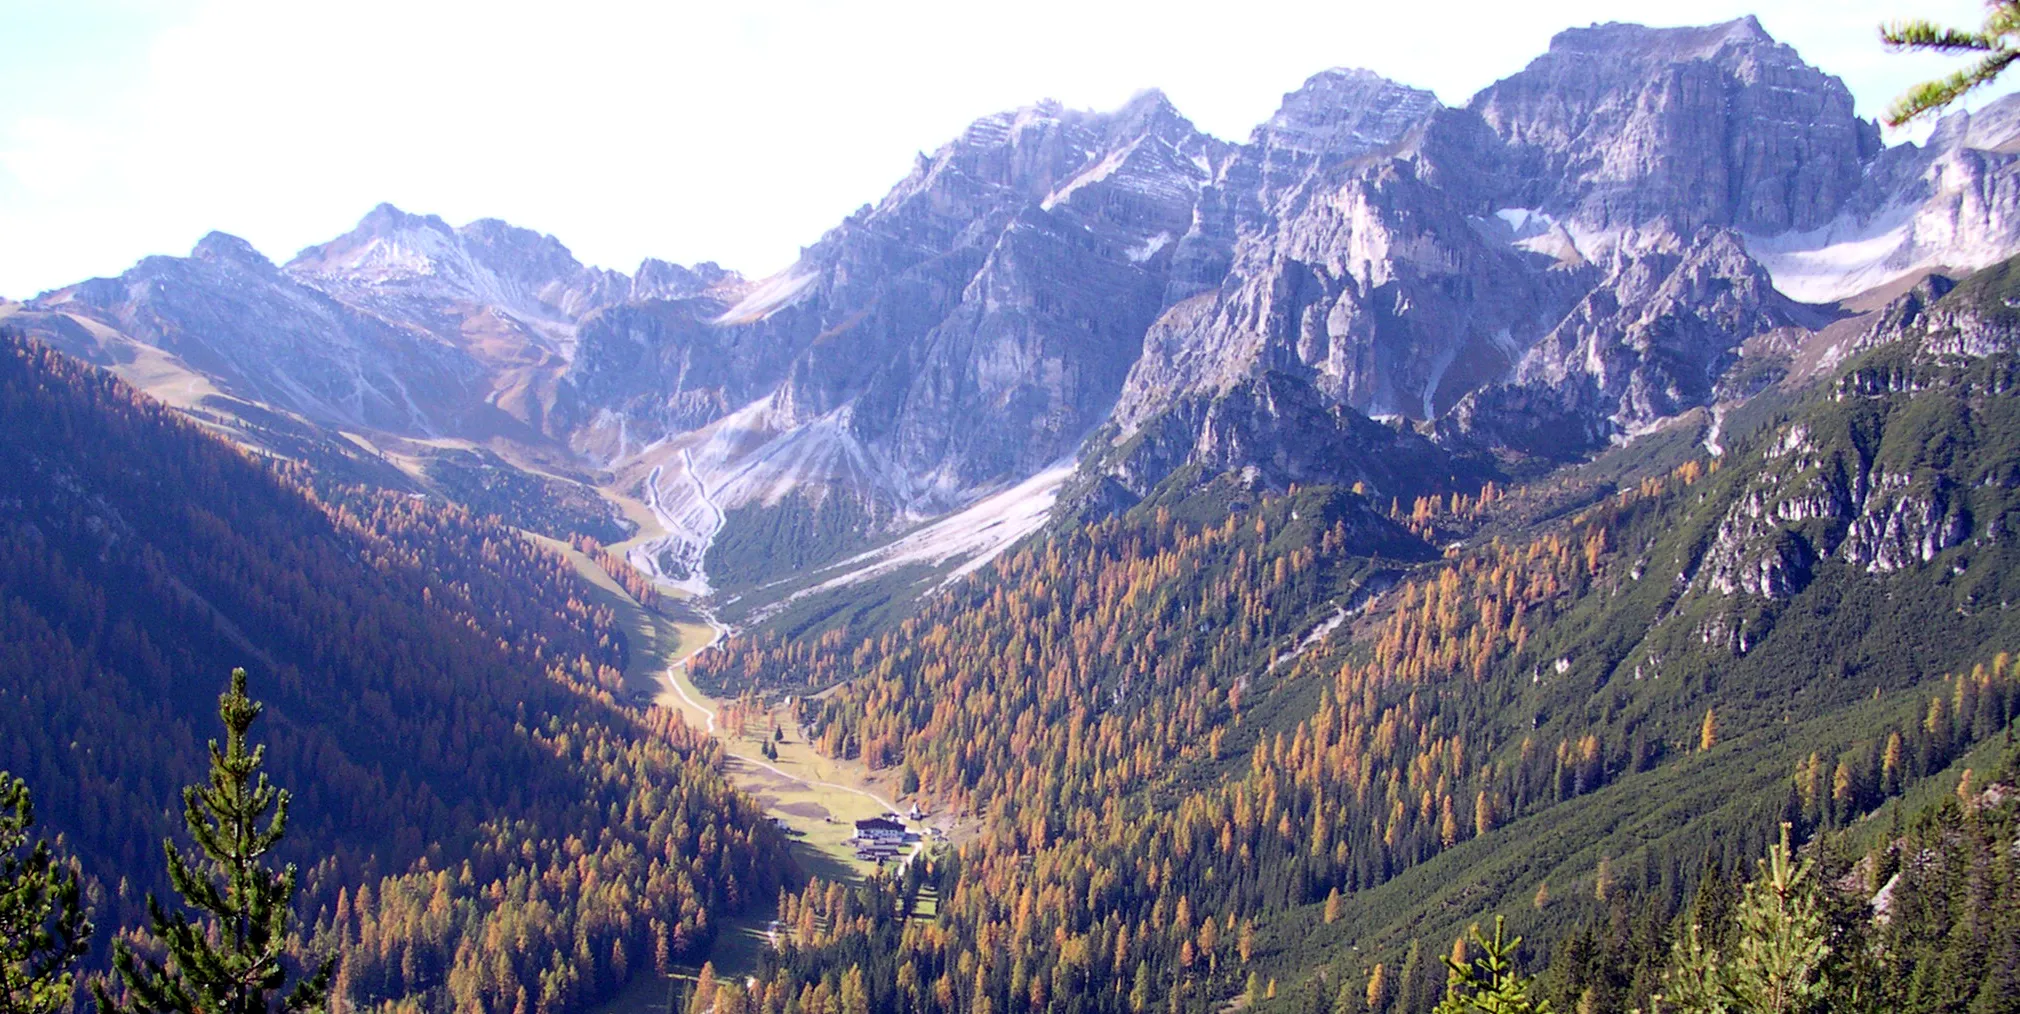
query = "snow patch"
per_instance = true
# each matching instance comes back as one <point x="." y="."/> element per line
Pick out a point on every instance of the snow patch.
<point x="1841" y="259"/>
<point x="1149" y="249"/>
<point x="1094" y="174"/>
<point x="1537" y="232"/>
<point x="768" y="297"/>
<point x="1439" y="366"/>
<point x="975" y="535"/>
<point x="1944" y="227"/>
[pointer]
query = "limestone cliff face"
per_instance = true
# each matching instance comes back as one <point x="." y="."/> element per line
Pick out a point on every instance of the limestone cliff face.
<point x="1570" y="249"/>
<point x="1652" y="337"/>
<point x="1618" y="126"/>
<point x="1345" y="267"/>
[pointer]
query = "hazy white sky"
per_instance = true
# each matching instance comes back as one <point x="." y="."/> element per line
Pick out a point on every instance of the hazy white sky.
<point x="733" y="132"/>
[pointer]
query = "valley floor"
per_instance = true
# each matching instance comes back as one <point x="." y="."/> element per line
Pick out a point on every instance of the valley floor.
<point x="816" y="799"/>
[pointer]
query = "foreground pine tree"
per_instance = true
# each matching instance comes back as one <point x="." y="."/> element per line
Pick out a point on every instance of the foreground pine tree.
<point x="43" y="927"/>
<point x="228" y="960"/>
<point x="1780" y="956"/>
<point x="1490" y="984"/>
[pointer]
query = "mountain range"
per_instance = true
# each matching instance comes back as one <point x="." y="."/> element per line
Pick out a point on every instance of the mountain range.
<point x="1374" y="288"/>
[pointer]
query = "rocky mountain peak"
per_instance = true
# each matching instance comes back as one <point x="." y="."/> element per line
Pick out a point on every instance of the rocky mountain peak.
<point x="225" y="248"/>
<point x="1034" y="152"/>
<point x="389" y="243"/>
<point x="386" y="219"/>
<point x="969" y="328"/>
<point x="658" y="279"/>
<point x="1696" y="42"/>
<point x="488" y="277"/>
<point x="1150" y="111"/>
<point x="392" y="247"/>
<point x="512" y="251"/>
<point x="1619" y="124"/>
<point x="1344" y="113"/>
<point x="386" y="245"/>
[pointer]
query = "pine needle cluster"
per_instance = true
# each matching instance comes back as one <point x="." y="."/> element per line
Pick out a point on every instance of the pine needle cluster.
<point x="1994" y="47"/>
<point x="44" y="928"/>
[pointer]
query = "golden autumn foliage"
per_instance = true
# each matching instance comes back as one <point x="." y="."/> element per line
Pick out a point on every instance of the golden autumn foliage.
<point x="1067" y="701"/>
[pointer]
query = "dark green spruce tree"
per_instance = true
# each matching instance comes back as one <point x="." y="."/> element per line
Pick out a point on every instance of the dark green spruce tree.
<point x="43" y="926"/>
<point x="229" y="960"/>
<point x="1490" y="984"/>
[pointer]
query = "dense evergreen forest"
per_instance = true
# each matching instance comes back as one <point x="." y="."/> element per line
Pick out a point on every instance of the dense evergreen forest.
<point x="480" y="827"/>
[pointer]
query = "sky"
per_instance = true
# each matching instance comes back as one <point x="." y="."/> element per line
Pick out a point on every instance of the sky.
<point x="724" y="131"/>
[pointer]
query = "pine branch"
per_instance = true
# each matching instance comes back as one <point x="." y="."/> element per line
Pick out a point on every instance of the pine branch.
<point x="1931" y="96"/>
<point x="44" y="929"/>
<point x="1921" y="35"/>
<point x="1997" y="40"/>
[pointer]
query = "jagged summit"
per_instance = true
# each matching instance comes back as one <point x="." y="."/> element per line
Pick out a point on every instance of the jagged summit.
<point x="969" y="327"/>
<point x="1145" y="105"/>
<point x="1343" y="113"/>
<point x="1620" y="124"/>
<point x="389" y="245"/>
<point x="386" y="218"/>
<point x="223" y="247"/>
<point x="1685" y="42"/>
<point x="658" y="279"/>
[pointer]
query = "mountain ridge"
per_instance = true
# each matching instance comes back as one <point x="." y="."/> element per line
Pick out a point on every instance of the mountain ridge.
<point x="1595" y="240"/>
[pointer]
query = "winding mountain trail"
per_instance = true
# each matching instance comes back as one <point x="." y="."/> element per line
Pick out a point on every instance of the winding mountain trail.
<point x="676" y="680"/>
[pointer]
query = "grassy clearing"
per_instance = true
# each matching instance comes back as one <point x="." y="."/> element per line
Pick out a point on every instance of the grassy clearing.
<point x="655" y="640"/>
<point x="817" y="797"/>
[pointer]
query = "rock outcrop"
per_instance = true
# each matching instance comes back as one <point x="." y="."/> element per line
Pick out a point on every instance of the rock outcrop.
<point x="1571" y="247"/>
